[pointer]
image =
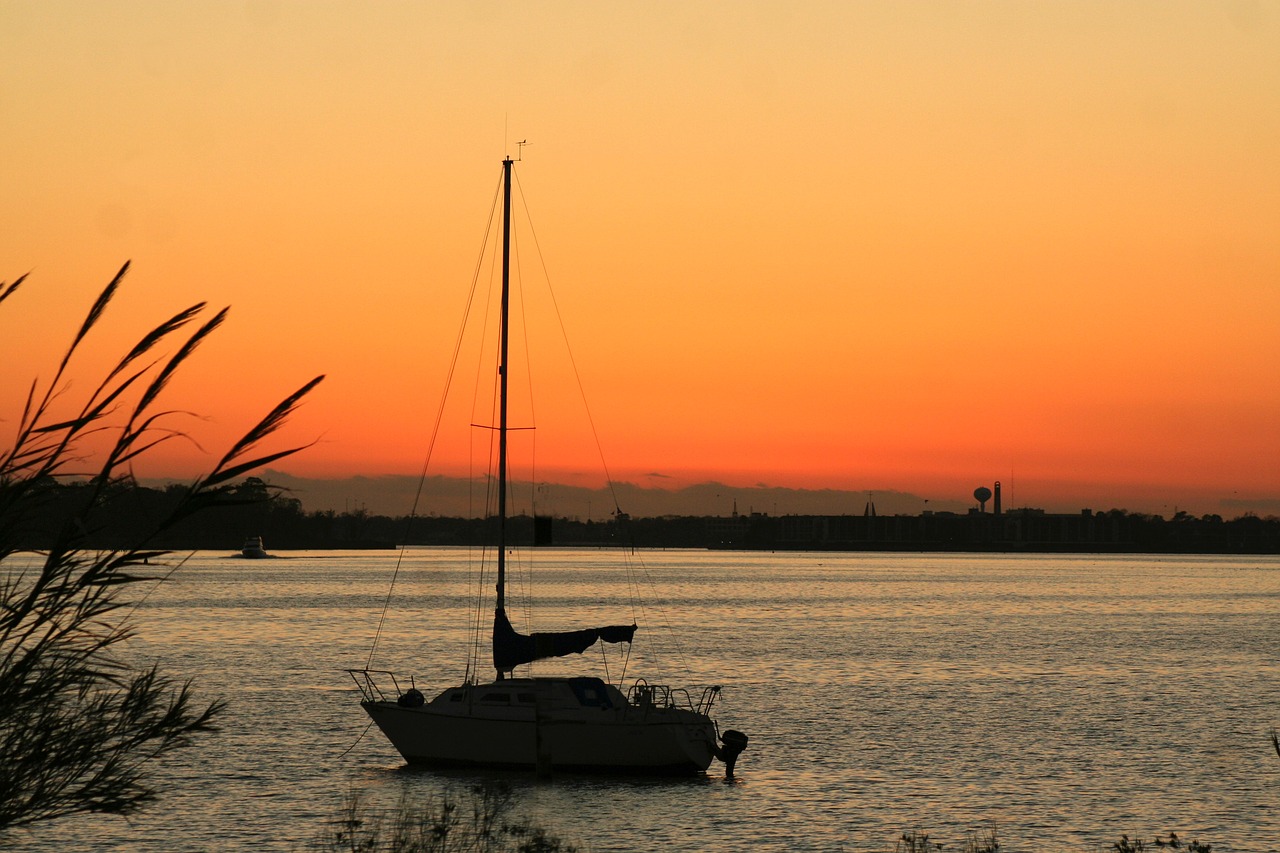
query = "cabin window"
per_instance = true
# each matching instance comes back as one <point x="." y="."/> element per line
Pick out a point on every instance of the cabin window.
<point x="455" y="696"/>
<point x="527" y="698"/>
<point x="591" y="692"/>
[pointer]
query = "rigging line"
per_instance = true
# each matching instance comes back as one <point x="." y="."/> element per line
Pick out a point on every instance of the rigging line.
<point x="564" y="333"/>
<point x="527" y="565"/>
<point x="356" y="743"/>
<point x="477" y="613"/>
<point x="672" y="635"/>
<point x="482" y="579"/>
<point x="478" y="621"/>
<point x="491" y="498"/>
<point x="644" y="570"/>
<point x="581" y="389"/>
<point x="481" y="559"/>
<point x="642" y="575"/>
<point x="435" y="429"/>
<point x="577" y="374"/>
<point x="626" y="661"/>
<point x="631" y="559"/>
<point x="582" y="393"/>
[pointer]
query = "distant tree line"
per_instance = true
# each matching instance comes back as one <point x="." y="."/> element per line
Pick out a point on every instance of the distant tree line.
<point x="255" y="508"/>
<point x="1029" y="530"/>
<point x="250" y="508"/>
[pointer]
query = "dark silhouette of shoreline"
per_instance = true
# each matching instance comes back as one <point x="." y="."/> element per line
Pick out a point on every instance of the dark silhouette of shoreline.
<point x="256" y="509"/>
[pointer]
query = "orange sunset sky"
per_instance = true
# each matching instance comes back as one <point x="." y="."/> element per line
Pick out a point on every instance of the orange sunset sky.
<point x="847" y="245"/>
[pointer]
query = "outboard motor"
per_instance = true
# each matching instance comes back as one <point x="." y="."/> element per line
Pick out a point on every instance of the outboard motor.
<point x="734" y="743"/>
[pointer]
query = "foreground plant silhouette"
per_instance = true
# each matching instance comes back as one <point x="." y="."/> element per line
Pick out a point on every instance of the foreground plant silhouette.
<point x="1137" y="845"/>
<point x="477" y="821"/>
<point x="978" y="841"/>
<point x="77" y="723"/>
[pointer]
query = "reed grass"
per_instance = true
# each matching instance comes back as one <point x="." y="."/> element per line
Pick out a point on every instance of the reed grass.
<point x="477" y="820"/>
<point x="480" y="819"/>
<point x="986" y="840"/>
<point x="78" y="723"/>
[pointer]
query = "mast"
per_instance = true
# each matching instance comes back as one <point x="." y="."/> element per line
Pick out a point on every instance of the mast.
<point x="511" y="648"/>
<point x="500" y="604"/>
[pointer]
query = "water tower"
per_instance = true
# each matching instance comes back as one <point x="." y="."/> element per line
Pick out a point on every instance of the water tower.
<point x="982" y="494"/>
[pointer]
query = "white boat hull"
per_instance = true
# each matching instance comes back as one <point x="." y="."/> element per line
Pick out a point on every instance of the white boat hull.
<point x="544" y="734"/>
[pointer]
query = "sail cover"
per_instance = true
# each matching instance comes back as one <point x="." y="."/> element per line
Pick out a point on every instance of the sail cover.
<point x="511" y="649"/>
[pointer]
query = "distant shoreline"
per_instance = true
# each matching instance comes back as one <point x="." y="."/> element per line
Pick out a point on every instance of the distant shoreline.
<point x="254" y="509"/>
<point x="1014" y="532"/>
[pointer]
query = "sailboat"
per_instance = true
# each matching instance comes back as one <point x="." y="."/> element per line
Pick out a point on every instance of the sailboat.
<point x="544" y="724"/>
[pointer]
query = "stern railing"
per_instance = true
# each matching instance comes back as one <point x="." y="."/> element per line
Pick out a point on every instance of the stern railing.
<point x="646" y="695"/>
<point x="371" y="683"/>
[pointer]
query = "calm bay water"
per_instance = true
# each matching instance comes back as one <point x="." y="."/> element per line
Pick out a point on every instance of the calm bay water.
<point x="1067" y="699"/>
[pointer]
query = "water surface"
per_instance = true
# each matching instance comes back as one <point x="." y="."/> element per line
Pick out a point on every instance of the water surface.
<point x="1067" y="699"/>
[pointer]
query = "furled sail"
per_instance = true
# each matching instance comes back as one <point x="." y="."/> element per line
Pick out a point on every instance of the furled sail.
<point x="511" y="649"/>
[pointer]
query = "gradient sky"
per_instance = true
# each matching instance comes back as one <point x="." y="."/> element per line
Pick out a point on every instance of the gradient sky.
<point x="871" y="245"/>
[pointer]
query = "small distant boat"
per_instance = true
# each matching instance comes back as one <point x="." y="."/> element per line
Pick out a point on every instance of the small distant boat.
<point x="252" y="548"/>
